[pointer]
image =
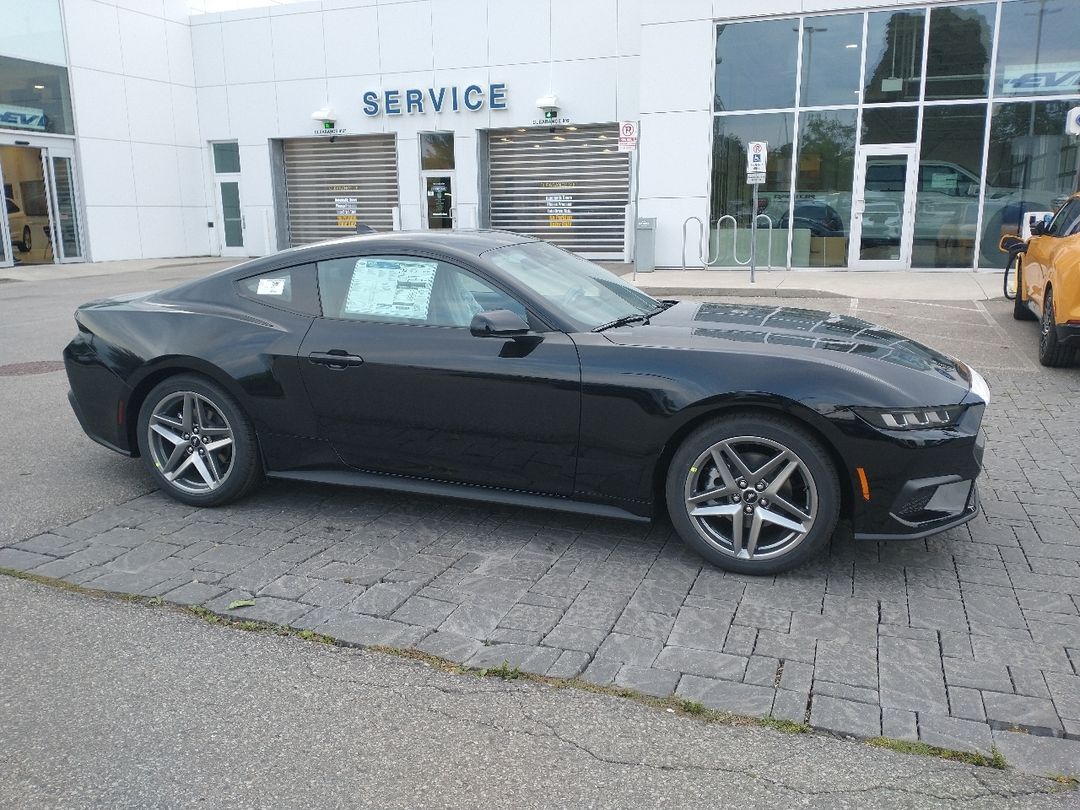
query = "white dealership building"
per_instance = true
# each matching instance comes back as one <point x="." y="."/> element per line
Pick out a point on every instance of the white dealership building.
<point x="899" y="134"/>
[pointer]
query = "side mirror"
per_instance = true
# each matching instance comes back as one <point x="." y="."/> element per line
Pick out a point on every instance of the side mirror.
<point x="1038" y="226"/>
<point x="498" y="323"/>
<point x="1010" y="243"/>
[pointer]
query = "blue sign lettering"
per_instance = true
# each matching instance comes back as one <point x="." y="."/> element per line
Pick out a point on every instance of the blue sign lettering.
<point x="473" y="97"/>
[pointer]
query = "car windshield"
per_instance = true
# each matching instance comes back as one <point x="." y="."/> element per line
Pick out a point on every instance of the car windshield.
<point x="585" y="293"/>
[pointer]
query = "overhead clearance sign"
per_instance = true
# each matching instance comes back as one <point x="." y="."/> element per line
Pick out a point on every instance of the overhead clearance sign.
<point x="435" y="99"/>
<point x="12" y="117"/>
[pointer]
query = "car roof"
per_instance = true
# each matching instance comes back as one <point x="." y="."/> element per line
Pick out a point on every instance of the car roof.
<point x="461" y="242"/>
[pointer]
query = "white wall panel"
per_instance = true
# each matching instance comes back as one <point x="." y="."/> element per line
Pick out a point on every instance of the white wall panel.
<point x="584" y="30"/>
<point x="93" y="35"/>
<point x="161" y="232"/>
<point x="252" y="112"/>
<point x="185" y="115"/>
<point x="405" y="37"/>
<point x="298" y="46"/>
<point x="675" y="154"/>
<point x="213" y="107"/>
<point x="150" y="113"/>
<point x="676" y="66"/>
<point x="208" y="54"/>
<point x="114" y="232"/>
<point x="142" y="42"/>
<point x="107" y="176"/>
<point x="156" y="175"/>
<point x="100" y="103"/>
<point x="192" y="185"/>
<point x="461" y="32"/>
<point x="181" y="64"/>
<point x="248" y="50"/>
<point x="296" y="101"/>
<point x="519" y="31"/>
<point x="351" y="38"/>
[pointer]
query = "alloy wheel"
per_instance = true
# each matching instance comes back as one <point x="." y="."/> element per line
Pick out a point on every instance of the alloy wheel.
<point x="190" y="442"/>
<point x="751" y="498"/>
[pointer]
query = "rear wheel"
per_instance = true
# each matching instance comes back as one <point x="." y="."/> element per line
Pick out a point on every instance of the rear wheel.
<point x="1020" y="307"/>
<point x="753" y="494"/>
<point x="1052" y="353"/>
<point x="197" y="442"/>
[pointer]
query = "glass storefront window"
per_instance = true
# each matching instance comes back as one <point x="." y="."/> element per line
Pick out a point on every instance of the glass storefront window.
<point x="436" y="150"/>
<point x="823" y="184"/>
<point x="756" y="65"/>
<point x="947" y="205"/>
<point x="731" y="195"/>
<point x="958" y="54"/>
<point x="1037" y="48"/>
<point x="832" y="52"/>
<point x="889" y="124"/>
<point x="34" y="97"/>
<point x="894" y="50"/>
<point x="1032" y="166"/>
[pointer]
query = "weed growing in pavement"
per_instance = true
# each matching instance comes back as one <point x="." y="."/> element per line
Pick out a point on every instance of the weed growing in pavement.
<point x="995" y="760"/>
<point x="503" y="670"/>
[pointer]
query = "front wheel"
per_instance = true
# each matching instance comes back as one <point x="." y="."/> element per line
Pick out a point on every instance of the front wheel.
<point x="1051" y="352"/>
<point x="753" y="494"/>
<point x="197" y="442"/>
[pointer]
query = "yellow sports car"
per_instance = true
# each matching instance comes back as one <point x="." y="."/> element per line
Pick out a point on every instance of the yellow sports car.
<point x="1048" y="282"/>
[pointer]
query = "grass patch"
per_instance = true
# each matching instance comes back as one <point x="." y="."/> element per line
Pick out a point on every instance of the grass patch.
<point x="786" y="726"/>
<point x="503" y="670"/>
<point x="995" y="760"/>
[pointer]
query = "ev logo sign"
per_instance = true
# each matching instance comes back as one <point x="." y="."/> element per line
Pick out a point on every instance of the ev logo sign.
<point x="22" y="117"/>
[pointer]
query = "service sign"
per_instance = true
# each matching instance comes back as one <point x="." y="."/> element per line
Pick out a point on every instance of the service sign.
<point x="12" y="117"/>
<point x="470" y="98"/>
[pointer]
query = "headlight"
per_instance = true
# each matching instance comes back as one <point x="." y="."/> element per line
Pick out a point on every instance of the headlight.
<point x="978" y="386"/>
<point x="911" y="418"/>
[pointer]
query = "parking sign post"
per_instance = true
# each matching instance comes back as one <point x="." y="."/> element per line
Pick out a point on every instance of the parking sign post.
<point x="756" y="157"/>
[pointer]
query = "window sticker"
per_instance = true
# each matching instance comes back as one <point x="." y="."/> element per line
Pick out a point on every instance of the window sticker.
<point x="271" y="286"/>
<point x="398" y="289"/>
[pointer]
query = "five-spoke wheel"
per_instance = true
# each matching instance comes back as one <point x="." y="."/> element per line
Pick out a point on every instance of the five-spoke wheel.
<point x="197" y="442"/>
<point x="753" y="494"/>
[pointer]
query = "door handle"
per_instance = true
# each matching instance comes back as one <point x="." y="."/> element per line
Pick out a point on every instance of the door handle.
<point x="337" y="359"/>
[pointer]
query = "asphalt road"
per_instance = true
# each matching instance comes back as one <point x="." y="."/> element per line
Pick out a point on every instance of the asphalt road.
<point x="112" y="704"/>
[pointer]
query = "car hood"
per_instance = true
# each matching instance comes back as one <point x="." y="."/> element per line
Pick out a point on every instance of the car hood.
<point x="787" y="331"/>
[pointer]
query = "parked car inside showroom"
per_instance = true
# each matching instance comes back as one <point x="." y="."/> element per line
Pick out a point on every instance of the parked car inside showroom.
<point x="495" y="367"/>
<point x="1048" y="283"/>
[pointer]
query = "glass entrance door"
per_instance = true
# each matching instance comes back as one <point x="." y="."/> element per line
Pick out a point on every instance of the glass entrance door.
<point x="66" y="235"/>
<point x="439" y="196"/>
<point x="232" y="218"/>
<point x="883" y="207"/>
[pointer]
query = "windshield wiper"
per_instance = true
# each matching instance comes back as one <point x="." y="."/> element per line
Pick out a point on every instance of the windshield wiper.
<point x="623" y="321"/>
<point x="635" y="317"/>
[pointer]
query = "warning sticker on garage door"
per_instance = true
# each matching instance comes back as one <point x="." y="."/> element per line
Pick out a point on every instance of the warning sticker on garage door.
<point x="396" y="289"/>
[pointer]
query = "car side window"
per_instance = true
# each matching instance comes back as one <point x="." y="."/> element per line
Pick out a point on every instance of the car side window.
<point x="406" y="289"/>
<point x="291" y="288"/>
<point x="1066" y="221"/>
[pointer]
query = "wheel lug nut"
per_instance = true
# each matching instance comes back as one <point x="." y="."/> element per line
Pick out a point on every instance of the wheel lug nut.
<point x="764" y="504"/>
<point x="186" y="437"/>
<point x="735" y="499"/>
<point x="749" y="510"/>
<point x="741" y="482"/>
<point x="191" y="450"/>
<point x="760" y="486"/>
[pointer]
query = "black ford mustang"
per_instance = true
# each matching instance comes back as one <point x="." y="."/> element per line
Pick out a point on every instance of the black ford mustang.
<point x="491" y="366"/>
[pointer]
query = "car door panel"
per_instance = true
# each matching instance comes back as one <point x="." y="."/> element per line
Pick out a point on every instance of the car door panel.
<point x="439" y="403"/>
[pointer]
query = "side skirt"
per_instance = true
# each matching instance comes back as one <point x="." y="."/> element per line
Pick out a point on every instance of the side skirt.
<point x="355" y="478"/>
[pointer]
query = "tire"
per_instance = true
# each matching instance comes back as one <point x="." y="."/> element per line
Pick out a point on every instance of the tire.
<point x="781" y="463"/>
<point x="1021" y="312"/>
<point x="27" y="240"/>
<point x="1052" y="353"/>
<point x="197" y="442"/>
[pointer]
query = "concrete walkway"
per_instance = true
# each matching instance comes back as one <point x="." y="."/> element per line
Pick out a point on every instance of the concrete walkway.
<point x="900" y="285"/>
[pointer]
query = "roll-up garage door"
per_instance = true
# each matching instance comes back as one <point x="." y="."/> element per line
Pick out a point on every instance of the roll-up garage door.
<point x="568" y="185"/>
<point x="332" y="186"/>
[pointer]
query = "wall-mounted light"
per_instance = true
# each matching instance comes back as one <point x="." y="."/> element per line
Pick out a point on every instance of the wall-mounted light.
<point x="326" y="116"/>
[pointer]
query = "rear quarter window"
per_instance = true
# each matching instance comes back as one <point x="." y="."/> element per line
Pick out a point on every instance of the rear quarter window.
<point x="291" y="288"/>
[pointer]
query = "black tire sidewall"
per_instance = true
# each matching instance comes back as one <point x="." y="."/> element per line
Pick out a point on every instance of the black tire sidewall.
<point x="781" y="430"/>
<point x="246" y="469"/>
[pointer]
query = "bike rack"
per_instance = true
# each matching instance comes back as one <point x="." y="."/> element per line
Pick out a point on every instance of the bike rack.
<point x="701" y="241"/>
<point x="735" y="241"/>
